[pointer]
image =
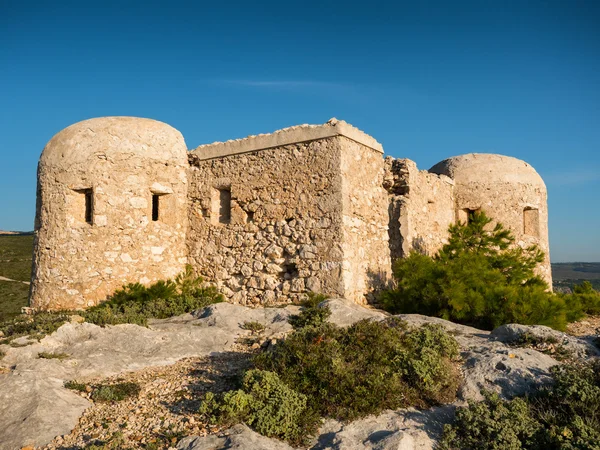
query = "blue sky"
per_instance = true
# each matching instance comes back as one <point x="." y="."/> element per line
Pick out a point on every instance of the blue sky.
<point x="428" y="79"/>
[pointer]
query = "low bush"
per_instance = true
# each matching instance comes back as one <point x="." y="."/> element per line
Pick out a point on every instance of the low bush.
<point x="75" y="386"/>
<point x="344" y="373"/>
<point x="266" y="404"/>
<point x="549" y="345"/>
<point x="564" y="415"/>
<point x="35" y="326"/>
<point x="106" y="392"/>
<point x="114" y="392"/>
<point x="310" y="315"/>
<point x="368" y="367"/>
<point x="254" y="326"/>
<point x="47" y="355"/>
<point x="584" y="300"/>
<point x="136" y="303"/>
<point x="481" y="279"/>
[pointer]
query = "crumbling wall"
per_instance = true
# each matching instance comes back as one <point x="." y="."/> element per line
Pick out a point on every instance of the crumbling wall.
<point x="94" y="223"/>
<point x="421" y="208"/>
<point x="365" y="241"/>
<point x="283" y="234"/>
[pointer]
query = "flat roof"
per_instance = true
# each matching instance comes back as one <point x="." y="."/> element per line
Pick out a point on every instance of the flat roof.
<point x="286" y="136"/>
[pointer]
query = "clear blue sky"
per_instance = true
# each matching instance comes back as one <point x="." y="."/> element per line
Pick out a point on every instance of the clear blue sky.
<point x="428" y="79"/>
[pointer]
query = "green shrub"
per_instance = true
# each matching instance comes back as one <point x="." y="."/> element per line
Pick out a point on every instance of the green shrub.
<point x="564" y="415"/>
<point x="114" y="392"/>
<point x="254" y="326"/>
<point x="311" y="314"/>
<point x="136" y="303"/>
<point x="321" y="370"/>
<point x="75" y="386"/>
<point x="492" y="424"/>
<point x="366" y="368"/>
<point x="584" y="300"/>
<point x="479" y="278"/>
<point x="46" y="355"/>
<point x="266" y="404"/>
<point x="36" y="326"/>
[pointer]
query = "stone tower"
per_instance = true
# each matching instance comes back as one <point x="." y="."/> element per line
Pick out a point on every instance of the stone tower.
<point x="111" y="209"/>
<point x="508" y="190"/>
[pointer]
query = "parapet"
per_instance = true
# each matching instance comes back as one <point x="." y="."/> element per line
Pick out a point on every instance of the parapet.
<point x="286" y="136"/>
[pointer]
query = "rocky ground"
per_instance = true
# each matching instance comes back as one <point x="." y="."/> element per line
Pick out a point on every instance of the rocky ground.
<point x="176" y="361"/>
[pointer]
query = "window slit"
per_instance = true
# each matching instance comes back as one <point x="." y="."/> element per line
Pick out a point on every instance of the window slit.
<point x="155" y="205"/>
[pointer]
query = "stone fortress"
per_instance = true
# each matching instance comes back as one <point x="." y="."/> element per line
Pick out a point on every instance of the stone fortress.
<point x="267" y="218"/>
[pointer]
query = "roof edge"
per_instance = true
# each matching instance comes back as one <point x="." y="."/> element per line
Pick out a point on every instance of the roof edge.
<point x="286" y="136"/>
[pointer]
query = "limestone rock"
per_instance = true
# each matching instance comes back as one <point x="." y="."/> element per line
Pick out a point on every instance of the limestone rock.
<point x="238" y="437"/>
<point x="580" y="346"/>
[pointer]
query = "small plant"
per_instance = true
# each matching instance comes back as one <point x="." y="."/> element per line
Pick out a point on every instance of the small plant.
<point x="115" y="442"/>
<point x="266" y="404"/>
<point x="136" y="303"/>
<point x="46" y="355"/>
<point x="253" y="326"/>
<point x="115" y="392"/>
<point x="564" y="415"/>
<point x="549" y="345"/>
<point x="311" y="314"/>
<point x="491" y="424"/>
<point x="35" y="326"/>
<point x="75" y="386"/>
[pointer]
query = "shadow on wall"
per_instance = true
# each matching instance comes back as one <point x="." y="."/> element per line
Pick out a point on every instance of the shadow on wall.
<point x="377" y="282"/>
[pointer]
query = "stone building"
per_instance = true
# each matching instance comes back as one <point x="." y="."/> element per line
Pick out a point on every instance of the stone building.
<point x="267" y="218"/>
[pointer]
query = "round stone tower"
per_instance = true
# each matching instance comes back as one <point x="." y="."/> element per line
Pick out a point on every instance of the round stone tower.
<point x="508" y="190"/>
<point x="111" y="210"/>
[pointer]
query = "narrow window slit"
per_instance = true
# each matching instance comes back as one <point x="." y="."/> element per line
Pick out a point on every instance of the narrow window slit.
<point x="224" y="205"/>
<point x="89" y="205"/>
<point x="155" y="205"/>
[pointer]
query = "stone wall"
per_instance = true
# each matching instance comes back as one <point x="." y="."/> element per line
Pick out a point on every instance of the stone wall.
<point x="365" y="240"/>
<point x="421" y="208"/>
<point x="283" y="234"/>
<point x="94" y="226"/>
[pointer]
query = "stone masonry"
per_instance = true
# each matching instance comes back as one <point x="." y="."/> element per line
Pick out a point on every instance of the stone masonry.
<point x="267" y="218"/>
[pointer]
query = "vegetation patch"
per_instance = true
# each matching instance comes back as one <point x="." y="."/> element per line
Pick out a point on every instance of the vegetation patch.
<point x="548" y="345"/>
<point x="15" y="263"/>
<point x="136" y="303"/>
<point x="311" y="314"/>
<point x="481" y="279"/>
<point x="565" y="415"/>
<point x="345" y="373"/>
<point x="253" y="326"/>
<point x="75" y="386"/>
<point x="265" y="403"/>
<point x="114" y="392"/>
<point x="106" y="392"/>
<point x="36" y="326"/>
<point x="46" y="355"/>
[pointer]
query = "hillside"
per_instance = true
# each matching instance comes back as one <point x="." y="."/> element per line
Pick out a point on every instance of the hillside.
<point x="568" y="274"/>
<point x="15" y="264"/>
